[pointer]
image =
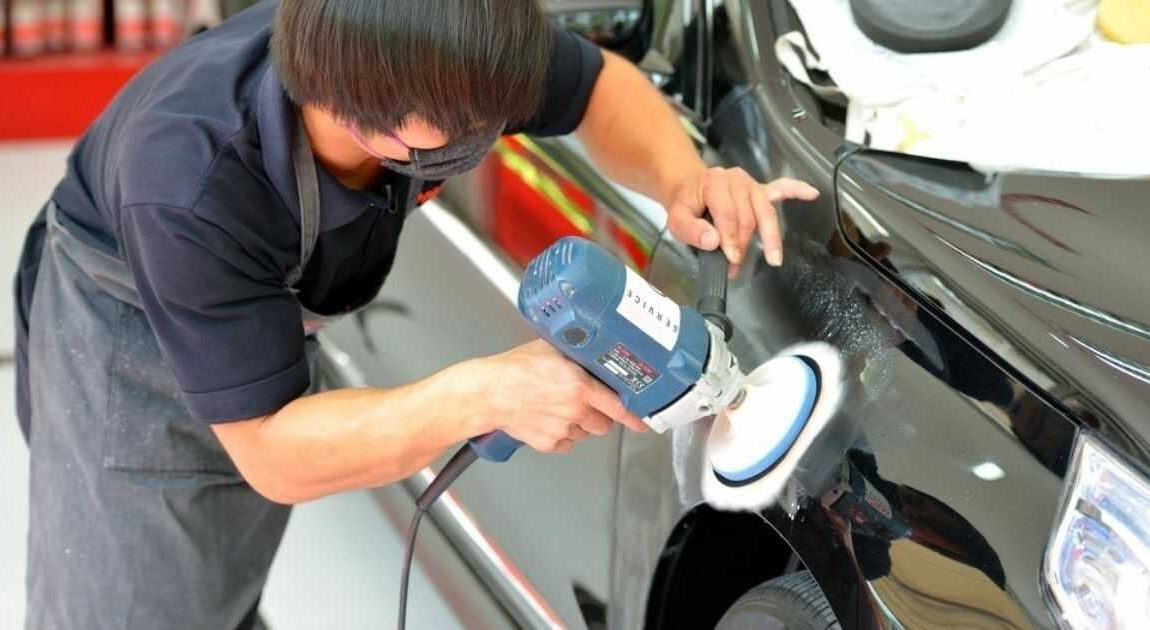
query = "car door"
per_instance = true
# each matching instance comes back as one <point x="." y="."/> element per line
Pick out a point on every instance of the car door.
<point x="537" y="529"/>
<point x="935" y="432"/>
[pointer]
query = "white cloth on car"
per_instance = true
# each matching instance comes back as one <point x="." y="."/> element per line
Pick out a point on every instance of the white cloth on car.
<point x="1043" y="94"/>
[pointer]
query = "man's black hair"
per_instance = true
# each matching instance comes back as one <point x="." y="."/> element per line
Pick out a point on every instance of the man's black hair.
<point x="459" y="64"/>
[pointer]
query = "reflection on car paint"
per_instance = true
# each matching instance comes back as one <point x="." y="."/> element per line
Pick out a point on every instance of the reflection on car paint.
<point x="605" y="205"/>
<point x="1080" y="233"/>
<point x="1129" y="367"/>
<point x="532" y="207"/>
<point x="877" y="512"/>
<point x="535" y="202"/>
<point x="486" y="551"/>
<point x="945" y="299"/>
<point x="1052" y="297"/>
<point x="1011" y="206"/>
<point x="985" y="193"/>
<point x="982" y="385"/>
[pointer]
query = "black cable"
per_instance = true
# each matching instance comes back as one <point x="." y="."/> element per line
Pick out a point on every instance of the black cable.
<point x="405" y="579"/>
<point x="459" y="462"/>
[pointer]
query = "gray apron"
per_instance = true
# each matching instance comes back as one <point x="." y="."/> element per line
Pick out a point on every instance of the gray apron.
<point x="138" y="517"/>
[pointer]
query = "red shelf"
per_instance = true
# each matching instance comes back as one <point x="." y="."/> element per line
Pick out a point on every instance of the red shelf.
<point x="58" y="96"/>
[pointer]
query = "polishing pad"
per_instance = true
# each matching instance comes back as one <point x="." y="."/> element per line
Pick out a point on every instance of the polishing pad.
<point x="753" y="449"/>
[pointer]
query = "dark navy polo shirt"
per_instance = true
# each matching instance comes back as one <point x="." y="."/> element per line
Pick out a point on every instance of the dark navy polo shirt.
<point x="187" y="176"/>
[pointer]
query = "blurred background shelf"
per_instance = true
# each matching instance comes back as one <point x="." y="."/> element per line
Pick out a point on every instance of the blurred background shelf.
<point x="59" y="94"/>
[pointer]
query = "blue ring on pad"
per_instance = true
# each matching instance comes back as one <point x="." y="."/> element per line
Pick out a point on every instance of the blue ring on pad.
<point x="760" y="468"/>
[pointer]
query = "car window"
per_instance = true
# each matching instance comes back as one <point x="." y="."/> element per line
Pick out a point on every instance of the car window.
<point x="674" y="52"/>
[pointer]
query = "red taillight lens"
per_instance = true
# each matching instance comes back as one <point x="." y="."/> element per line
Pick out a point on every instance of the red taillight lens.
<point x="532" y="205"/>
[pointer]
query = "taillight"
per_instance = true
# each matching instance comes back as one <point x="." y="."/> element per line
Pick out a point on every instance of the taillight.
<point x="1097" y="568"/>
<point x="534" y="203"/>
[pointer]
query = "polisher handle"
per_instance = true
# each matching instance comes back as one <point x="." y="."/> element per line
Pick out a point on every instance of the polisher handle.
<point x="713" y="267"/>
<point x="496" y="446"/>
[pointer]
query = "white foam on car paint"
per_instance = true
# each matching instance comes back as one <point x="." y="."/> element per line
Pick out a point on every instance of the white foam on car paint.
<point x="842" y="313"/>
<point x="686" y="458"/>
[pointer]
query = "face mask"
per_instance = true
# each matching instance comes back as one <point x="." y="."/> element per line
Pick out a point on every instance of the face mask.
<point x="433" y="164"/>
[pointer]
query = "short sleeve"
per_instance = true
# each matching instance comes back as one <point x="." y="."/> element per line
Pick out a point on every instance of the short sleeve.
<point x="572" y="70"/>
<point x="229" y="329"/>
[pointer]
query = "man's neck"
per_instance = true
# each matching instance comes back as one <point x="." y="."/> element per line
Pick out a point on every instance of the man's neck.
<point x="337" y="153"/>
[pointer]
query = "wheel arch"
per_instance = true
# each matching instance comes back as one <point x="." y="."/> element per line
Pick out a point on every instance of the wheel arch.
<point x="710" y="559"/>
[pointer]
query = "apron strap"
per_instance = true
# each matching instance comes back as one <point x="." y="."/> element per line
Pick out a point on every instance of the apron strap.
<point x="307" y="187"/>
<point x="104" y="269"/>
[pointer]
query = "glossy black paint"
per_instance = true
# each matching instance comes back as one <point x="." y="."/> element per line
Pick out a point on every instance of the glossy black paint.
<point x="984" y="320"/>
<point x="699" y="545"/>
<point x="1050" y="260"/>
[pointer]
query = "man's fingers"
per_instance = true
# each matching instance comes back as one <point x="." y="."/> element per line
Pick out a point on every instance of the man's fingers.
<point x="747" y="216"/>
<point x="596" y="423"/>
<point x="684" y="222"/>
<point x="724" y="212"/>
<point x="768" y="220"/>
<point x="787" y="188"/>
<point x="736" y="203"/>
<point x="743" y="193"/>
<point x="608" y="403"/>
<point x="577" y="432"/>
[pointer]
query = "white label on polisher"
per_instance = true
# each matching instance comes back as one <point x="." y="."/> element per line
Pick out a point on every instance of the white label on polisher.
<point x="654" y="313"/>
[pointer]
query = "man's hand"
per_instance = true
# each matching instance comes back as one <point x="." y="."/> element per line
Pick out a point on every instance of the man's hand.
<point x="737" y="204"/>
<point x="536" y="395"/>
<point x="638" y="140"/>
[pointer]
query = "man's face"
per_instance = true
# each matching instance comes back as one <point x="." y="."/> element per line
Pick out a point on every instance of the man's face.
<point x="416" y="133"/>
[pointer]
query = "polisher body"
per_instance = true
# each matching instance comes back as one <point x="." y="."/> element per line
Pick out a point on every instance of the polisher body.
<point x="668" y="365"/>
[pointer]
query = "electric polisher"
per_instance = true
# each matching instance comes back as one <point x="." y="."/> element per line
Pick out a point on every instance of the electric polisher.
<point x="671" y="366"/>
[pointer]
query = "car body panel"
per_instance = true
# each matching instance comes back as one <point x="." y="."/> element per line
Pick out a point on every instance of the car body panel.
<point x="913" y="411"/>
<point x="929" y="427"/>
<point x="1050" y="268"/>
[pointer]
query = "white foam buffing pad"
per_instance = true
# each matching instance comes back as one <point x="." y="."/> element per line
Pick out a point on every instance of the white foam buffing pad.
<point x="753" y="449"/>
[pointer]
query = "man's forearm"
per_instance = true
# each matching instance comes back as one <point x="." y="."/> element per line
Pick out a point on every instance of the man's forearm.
<point x="348" y="439"/>
<point x="634" y="135"/>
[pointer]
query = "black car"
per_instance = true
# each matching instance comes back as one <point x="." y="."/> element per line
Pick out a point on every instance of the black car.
<point x="989" y="466"/>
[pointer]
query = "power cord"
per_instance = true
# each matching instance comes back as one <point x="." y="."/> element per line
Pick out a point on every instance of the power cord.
<point x="405" y="579"/>
<point x="459" y="462"/>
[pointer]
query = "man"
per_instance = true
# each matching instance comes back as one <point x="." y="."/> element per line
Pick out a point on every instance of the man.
<point x="237" y="191"/>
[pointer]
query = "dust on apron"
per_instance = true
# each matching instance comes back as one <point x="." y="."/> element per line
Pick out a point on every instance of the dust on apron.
<point x="138" y="517"/>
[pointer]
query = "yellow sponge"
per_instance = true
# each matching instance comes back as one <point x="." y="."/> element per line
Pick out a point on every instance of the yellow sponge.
<point x="1125" y="21"/>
